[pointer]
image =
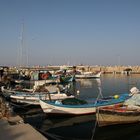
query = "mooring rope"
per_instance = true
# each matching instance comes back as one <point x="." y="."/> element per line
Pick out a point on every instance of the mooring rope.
<point x="96" y="122"/>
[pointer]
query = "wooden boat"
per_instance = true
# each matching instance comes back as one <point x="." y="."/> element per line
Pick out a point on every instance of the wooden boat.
<point x="33" y="98"/>
<point x="29" y="96"/>
<point x="38" y="82"/>
<point x="67" y="79"/>
<point x="87" y="75"/>
<point x="117" y="114"/>
<point x="65" y="76"/>
<point x="54" y="88"/>
<point x="78" y="107"/>
<point x="51" y="80"/>
<point x="51" y="88"/>
<point x="128" y="112"/>
<point x="6" y="92"/>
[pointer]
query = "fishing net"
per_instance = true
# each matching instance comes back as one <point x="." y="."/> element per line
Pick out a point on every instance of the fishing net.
<point x="73" y="101"/>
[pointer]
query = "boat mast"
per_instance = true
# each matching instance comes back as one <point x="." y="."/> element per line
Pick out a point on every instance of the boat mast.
<point x="23" y="51"/>
<point x="21" y="45"/>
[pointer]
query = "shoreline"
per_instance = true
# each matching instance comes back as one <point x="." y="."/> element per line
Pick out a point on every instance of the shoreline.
<point x="13" y="126"/>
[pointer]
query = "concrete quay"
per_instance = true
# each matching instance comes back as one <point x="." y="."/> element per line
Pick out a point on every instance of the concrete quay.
<point x="12" y="126"/>
<point x="15" y="129"/>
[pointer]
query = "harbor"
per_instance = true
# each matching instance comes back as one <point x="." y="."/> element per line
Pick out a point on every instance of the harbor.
<point x="117" y="69"/>
<point x="69" y="70"/>
<point x="39" y="125"/>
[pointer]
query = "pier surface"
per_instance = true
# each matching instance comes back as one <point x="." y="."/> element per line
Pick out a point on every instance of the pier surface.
<point x="19" y="131"/>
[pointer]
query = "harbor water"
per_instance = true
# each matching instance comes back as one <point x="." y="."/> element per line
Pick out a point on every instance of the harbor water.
<point x="85" y="127"/>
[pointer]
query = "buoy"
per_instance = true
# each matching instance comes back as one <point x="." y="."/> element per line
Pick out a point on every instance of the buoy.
<point x="44" y="76"/>
<point x="78" y="92"/>
<point x="116" y="96"/>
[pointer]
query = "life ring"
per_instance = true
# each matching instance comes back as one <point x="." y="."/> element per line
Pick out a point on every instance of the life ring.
<point x="44" y="76"/>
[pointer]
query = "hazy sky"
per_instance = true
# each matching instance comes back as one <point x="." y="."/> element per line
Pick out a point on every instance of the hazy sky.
<point x="90" y="32"/>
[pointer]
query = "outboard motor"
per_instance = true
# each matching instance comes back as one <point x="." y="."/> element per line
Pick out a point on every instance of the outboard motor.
<point x="134" y="90"/>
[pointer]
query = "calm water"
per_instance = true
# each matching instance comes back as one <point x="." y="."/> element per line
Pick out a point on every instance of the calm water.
<point x="84" y="127"/>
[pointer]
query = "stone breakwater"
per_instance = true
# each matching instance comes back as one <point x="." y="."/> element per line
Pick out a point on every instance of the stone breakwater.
<point x="103" y="69"/>
<point x="111" y="69"/>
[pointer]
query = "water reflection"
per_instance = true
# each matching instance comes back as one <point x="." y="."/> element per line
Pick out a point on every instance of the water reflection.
<point x="115" y="84"/>
<point x="127" y="131"/>
<point x="50" y="123"/>
<point x="79" y="128"/>
<point x="88" y="83"/>
<point x="67" y="128"/>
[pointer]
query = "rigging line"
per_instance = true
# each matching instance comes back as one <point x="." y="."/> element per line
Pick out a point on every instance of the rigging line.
<point x="100" y="94"/>
<point x="100" y="91"/>
<point x="96" y="122"/>
<point x="97" y="110"/>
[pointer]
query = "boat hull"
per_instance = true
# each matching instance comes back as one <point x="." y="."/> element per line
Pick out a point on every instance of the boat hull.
<point x="88" y="76"/>
<point x="107" y="117"/>
<point x="35" y="97"/>
<point x="51" y="109"/>
<point x="83" y="109"/>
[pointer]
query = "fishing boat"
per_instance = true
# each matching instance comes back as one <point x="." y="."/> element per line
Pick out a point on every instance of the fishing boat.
<point x="39" y="82"/>
<point x="87" y="75"/>
<point x="128" y="112"/>
<point x="51" y="88"/>
<point x="33" y="98"/>
<point x="76" y="106"/>
<point x="67" y="79"/>
<point x="64" y="76"/>
<point x="41" y="78"/>
<point x="6" y="92"/>
<point x="117" y="114"/>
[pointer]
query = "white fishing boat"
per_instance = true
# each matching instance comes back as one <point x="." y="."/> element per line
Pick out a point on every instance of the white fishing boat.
<point x="75" y="106"/>
<point x="38" y="82"/>
<point x="87" y="75"/>
<point x="33" y="98"/>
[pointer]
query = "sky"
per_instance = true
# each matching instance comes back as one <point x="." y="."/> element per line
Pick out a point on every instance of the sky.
<point x="69" y="32"/>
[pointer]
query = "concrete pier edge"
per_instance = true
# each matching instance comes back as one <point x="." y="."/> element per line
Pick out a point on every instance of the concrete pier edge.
<point x="14" y="128"/>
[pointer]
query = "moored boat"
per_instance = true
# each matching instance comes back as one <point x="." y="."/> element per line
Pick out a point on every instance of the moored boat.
<point x="75" y="106"/>
<point x="117" y="114"/>
<point x="33" y="98"/>
<point x="128" y="112"/>
<point x="87" y="75"/>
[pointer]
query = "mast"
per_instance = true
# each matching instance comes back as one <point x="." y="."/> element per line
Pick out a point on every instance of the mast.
<point x="21" y="45"/>
<point x="22" y="51"/>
